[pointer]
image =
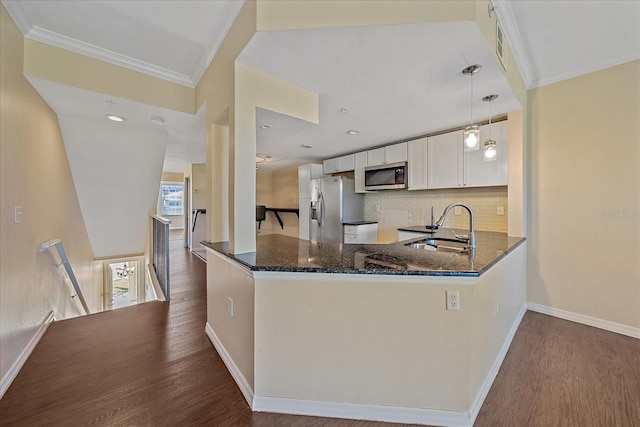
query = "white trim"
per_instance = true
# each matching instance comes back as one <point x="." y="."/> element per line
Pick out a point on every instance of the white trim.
<point x="96" y="52"/>
<point x="13" y="371"/>
<point x="242" y="382"/>
<point x="369" y="278"/>
<point x="353" y="411"/>
<point x="509" y="25"/>
<point x="219" y="31"/>
<point x="591" y="68"/>
<point x="586" y="320"/>
<point x="493" y="372"/>
<point x="156" y="283"/>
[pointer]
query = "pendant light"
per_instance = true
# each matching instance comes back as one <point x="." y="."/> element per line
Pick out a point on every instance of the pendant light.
<point x="472" y="132"/>
<point x="490" y="149"/>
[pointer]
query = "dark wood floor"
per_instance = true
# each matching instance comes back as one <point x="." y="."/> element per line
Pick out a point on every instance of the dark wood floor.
<point x="153" y="365"/>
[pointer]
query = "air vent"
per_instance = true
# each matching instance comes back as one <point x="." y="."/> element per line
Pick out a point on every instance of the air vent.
<point x="500" y="44"/>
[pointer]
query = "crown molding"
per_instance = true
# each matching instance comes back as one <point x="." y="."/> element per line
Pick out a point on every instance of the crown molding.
<point x="219" y="31"/>
<point x="509" y="25"/>
<point x="96" y="52"/>
<point x="591" y="68"/>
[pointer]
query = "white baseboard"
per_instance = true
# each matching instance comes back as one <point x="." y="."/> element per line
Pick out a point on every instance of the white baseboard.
<point x="586" y="320"/>
<point x="392" y="414"/>
<point x="11" y="374"/>
<point x="491" y="376"/>
<point x="242" y="382"/>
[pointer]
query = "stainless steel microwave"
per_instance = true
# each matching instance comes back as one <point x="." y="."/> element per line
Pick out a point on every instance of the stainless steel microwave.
<point x="391" y="176"/>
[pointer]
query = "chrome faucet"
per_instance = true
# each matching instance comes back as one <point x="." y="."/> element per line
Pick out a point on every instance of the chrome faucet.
<point x="471" y="238"/>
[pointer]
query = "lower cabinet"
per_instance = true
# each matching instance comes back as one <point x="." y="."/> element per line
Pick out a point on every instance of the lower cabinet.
<point x="361" y="233"/>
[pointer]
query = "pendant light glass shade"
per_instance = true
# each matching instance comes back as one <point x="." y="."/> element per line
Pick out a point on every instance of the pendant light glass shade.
<point x="472" y="132"/>
<point x="471" y="138"/>
<point x="490" y="151"/>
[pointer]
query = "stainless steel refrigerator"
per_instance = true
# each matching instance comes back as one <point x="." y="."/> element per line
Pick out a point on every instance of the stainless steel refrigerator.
<point x="333" y="202"/>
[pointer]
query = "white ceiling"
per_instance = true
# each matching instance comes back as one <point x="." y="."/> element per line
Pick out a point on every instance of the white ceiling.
<point x="396" y="81"/>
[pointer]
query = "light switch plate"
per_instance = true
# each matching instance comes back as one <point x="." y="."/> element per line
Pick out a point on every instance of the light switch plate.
<point x="18" y="214"/>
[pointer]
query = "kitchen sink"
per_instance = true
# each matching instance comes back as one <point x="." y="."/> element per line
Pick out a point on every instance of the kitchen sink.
<point x="439" y="245"/>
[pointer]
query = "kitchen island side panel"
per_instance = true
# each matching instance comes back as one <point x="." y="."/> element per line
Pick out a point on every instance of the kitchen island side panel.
<point x="499" y="302"/>
<point x="230" y="314"/>
<point x="350" y="339"/>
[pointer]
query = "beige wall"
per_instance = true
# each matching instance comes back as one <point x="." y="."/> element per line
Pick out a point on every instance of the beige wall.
<point x="59" y="65"/>
<point x="35" y="174"/>
<point x="382" y="340"/>
<point x="584" y="228"/>
<point x="278" y="189"/>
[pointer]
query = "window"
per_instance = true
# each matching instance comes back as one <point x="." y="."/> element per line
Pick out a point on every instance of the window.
<point x="172" y="198"/>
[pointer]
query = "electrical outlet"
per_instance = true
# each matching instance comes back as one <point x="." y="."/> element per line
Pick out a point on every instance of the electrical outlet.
<point x="230" y="307"/>
<point x="497" y="308"/>
<point x="500" y="210"/>
<point x="453" y="300"/>
<point x="457" y="210"/>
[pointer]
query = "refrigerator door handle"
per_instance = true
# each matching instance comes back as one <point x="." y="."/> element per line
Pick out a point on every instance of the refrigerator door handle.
<point x="321" y="209"/>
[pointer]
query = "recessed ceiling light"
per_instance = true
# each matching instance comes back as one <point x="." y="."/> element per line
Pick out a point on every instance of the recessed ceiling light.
<point x="115" y="118"/>
<point x="353" y="132"/>
<point x="260" y="159"/>
<point x="306" y="146"/>
<point x="344" y="110"/>
<point x="266" y="126"/>
<point x="157" y="120"/>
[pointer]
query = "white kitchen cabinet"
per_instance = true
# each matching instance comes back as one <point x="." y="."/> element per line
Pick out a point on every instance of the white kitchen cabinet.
<point x="360" y="160"/>
<point x="390" y="154"/>
<point x="339" y="164"/>
<point x="445" y="160"/>
<point x="417" y="164"/>
<point x="449" y="166"/>
<point x="361" y="233"/>
<point x="305" y="174"/>
<point x="477" y="172"/>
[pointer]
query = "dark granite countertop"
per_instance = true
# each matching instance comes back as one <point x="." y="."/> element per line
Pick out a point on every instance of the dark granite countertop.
<point x="277" y="252"/>
<point x="359" y="222"/>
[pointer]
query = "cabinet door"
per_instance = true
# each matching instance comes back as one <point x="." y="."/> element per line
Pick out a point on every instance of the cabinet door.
<point x="444" y="160"/>
<point x="477" y="172"/>
<point x="360" y="163"/>
<point x="346" y="163"/>
<point x="417" y="164"/>
<point x="330" y="166"/>
<point x="396" y="153"/>
<point x="376" y="157"/>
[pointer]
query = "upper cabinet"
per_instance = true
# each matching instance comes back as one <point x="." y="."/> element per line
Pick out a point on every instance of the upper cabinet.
<point x="339" y="164"/>
<point x="417" y="158"/>
<point x="389" y="154"/>
<point x="444" y="160"/>
<point x="449" y="166"/>
<point x="360" y="164"/>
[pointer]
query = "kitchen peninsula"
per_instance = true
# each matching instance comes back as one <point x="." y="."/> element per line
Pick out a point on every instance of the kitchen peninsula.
<point x="363" y="331"/>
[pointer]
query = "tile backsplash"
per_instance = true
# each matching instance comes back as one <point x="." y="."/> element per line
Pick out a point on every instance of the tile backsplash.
<point x="398" y="208"/>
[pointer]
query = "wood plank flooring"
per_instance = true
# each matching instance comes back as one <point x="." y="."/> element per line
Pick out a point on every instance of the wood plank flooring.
<point x="153" y="365"/>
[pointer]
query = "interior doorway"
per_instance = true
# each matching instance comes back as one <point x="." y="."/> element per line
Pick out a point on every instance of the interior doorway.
<point x="123" y="283"/>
